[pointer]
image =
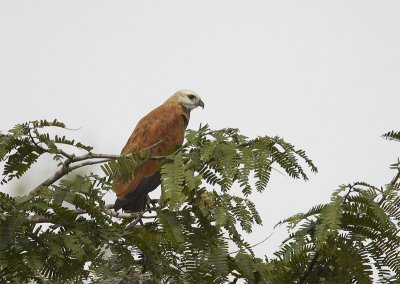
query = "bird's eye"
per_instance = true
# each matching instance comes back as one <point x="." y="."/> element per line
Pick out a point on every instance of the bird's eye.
<point x="191" y="97"/>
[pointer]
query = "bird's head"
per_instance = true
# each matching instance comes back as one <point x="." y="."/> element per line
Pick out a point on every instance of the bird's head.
<point x="188" y="99"/>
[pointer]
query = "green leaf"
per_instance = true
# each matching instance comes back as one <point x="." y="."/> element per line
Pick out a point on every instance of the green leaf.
<point x="171" y="227"/>
<point x="172" y="183"/>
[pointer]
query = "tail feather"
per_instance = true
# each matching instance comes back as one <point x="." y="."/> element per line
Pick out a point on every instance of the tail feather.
<point x="135" y="201"/>
<point x="130" y="205"/>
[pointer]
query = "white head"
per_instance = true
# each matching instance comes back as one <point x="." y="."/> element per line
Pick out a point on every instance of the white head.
<point x="188" y="99"/>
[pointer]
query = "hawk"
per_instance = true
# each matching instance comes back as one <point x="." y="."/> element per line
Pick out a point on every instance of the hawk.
<point x="161" y="132"/>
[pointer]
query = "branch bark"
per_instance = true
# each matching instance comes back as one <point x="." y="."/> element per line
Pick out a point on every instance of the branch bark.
<point x="108" y="210"/>
<point x="66" y="168"/>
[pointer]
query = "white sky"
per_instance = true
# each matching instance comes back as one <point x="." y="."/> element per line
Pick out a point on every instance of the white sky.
<point x="322" y="74"/>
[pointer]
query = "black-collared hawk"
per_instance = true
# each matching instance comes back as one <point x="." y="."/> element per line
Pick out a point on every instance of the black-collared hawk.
<point x="161" y="132"/>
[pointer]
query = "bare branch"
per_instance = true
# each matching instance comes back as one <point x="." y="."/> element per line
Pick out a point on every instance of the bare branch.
<point x="36" y="144"/>
<point x="88" y="163"/>
<point x="42" y="219"/>
<point x="71" y="159"/>
<point x="390" y="187"/>
<point x="257" y="244"/>
<point x="95" y="156"/>
<point x="152" y="146"/>
<point x="121" y="215"/>
<point x="395" y="179"/>
<point x="107" y="210"/>
<point x="65" y="154"/>
<point x="137" y="220"/>
<point x="110" y="157"/>
<point x="62" y="172"/>
<point x="59" y="174"/>
<point x="39" y="219"/>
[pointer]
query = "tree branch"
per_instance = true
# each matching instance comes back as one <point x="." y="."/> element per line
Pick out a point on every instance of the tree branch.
<point x="395" y="179"/>
<point x="39" y="219"/>
<point x="123" y="215"/>
<point x="257" y="244"/>
<point x="390" y="186"/>
<point x="66" y="168"/>
<point x="58" y="174"/>
<point x="107" y="210"/>
<point x="137" y="220"/>
<point x="88" y="163"/>
<point x="95" y="156"/>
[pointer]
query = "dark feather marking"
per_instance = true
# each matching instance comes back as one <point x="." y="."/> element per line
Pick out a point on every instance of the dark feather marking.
<point x="135" y="200"/>
<point x="185" y="120"/>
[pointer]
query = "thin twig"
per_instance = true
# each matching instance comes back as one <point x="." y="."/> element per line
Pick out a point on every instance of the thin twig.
<point x="114" y="157"/>
<point x="36" y="144"/>
<point x="60" y="151"/>
<point x="180" y="148"/>
<point x="88" y="163"/>
<point x="137" y="220"/>
<point x="65" y="154"/>
<point x="278" y="171"/>
<point x="351" y="187"/>
<point x="257" y="244"/>
<point x="390" y="186"/>
<point x="395" y="179"/>
<point x="251" y="142"/>
<point x="140" y="217"/>
<point x="58" y="174"/>
<point x="121" y="215"/>
<point x="152" y="146"/>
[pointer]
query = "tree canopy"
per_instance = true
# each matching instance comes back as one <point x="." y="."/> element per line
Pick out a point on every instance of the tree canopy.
<point x="63" y="232"/>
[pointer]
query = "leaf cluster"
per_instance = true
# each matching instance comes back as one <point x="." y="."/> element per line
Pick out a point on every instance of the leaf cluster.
<point x="63" y="232"/>
<point x="21" y="147"/>
<point x="354" y="238"/>
<point x="199" y="216"/>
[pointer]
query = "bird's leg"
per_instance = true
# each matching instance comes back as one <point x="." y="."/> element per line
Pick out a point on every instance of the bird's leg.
<point x="147" y="202"/>
<point x="154" y="202"/>
<point x="150" y="203"/>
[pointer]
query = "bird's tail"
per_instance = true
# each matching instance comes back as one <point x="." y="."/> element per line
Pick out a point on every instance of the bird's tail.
<point x="133" y="204"/>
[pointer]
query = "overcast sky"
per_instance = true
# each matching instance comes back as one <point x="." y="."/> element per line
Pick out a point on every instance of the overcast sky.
<point x="324" y="75"/>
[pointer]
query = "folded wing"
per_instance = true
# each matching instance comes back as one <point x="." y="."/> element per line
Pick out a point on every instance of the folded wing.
<point x="161" y="132"/>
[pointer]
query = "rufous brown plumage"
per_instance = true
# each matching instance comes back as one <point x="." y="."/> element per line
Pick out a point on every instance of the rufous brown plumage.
<point x="161" y="132"/>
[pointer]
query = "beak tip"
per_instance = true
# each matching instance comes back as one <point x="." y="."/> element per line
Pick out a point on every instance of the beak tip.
<point x="201" y="103"/>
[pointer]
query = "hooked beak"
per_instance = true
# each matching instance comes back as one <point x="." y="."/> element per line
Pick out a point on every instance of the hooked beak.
<point x="200" y="103"/>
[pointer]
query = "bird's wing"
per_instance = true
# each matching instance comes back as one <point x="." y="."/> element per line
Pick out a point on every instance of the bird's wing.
<point x="160" y="132"/>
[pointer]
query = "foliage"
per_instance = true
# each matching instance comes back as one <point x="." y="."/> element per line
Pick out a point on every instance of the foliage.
<point x="348" y="240"/>
<point x="63" y="232"/>
<point x="392" y="135"/>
